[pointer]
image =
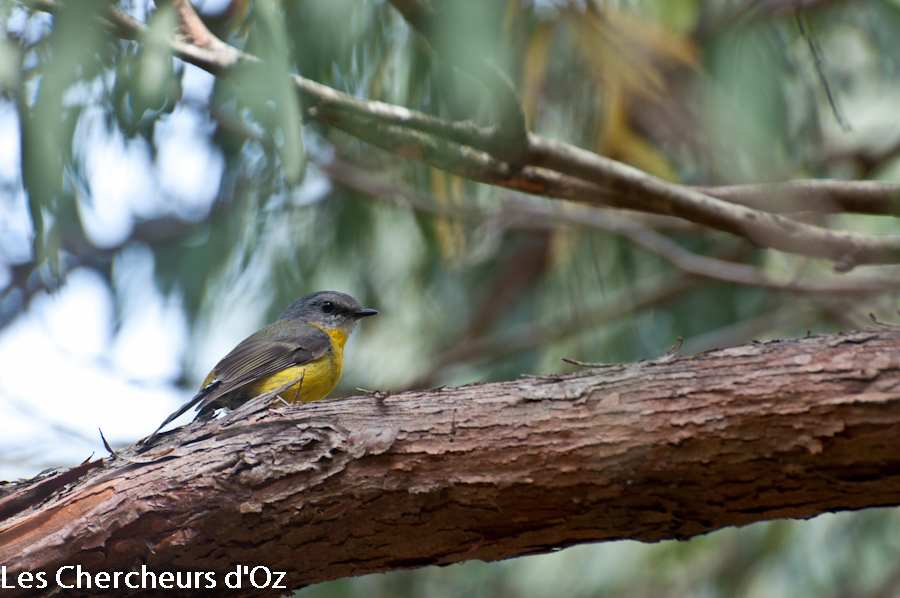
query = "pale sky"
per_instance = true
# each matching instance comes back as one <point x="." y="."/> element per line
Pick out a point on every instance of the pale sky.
<point x="67" y="365"/>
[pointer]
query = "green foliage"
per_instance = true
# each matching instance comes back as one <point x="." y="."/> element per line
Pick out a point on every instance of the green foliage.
<point x="146" y="84"/>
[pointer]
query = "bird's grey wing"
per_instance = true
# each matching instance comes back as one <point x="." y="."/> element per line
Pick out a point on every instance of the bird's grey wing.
<point x="257" y="358"/>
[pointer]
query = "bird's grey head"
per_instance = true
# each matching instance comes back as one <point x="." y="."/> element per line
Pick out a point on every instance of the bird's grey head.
<point x="328" y="309"/>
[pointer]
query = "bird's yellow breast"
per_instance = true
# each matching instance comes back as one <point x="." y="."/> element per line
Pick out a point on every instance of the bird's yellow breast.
<point x="315" y="380"/>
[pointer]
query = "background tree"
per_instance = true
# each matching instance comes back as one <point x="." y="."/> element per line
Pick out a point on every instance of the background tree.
<point x="169" y="176"/>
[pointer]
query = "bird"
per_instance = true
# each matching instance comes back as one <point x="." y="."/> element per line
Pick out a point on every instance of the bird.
<point x="304" y="349"/>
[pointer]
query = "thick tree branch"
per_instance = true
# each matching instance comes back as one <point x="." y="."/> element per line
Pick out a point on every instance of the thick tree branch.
<point x="554" y="169"/>
<point x="662" y="449"/>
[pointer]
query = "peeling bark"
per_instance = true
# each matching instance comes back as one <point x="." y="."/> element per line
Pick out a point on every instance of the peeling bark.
<point x="663" y="449"/>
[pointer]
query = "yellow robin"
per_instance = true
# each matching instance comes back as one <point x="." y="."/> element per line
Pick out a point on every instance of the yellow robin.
<point x="305" y="345"/>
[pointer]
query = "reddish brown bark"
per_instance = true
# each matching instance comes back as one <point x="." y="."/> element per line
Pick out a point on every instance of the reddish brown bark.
<point x="654" y="450"/>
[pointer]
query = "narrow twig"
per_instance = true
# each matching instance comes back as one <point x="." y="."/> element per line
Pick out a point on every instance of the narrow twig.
<point x="816" y="52"/>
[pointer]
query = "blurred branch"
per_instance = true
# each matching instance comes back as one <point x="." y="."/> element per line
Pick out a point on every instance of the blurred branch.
<point x="866" y="159"/>
<point x="519" y="211"/>
<point x="818" y="196"/>
<point x="555" y="169"/>
<point x="692" y="263"/>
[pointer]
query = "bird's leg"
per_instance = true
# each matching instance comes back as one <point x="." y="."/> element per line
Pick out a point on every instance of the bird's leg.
<point x="296" y="394"/>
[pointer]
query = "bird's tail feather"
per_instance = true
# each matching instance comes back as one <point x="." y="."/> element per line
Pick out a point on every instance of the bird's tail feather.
<point x="203" y="394"/>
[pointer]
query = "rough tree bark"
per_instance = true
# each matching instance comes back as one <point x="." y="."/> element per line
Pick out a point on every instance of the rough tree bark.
<point x="662" y="449"/>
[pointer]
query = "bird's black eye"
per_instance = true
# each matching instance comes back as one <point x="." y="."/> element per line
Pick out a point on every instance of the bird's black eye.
<point x="328" y="307"/>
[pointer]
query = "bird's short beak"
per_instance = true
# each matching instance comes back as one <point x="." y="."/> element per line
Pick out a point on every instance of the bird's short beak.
<point x="364" y="312"/>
